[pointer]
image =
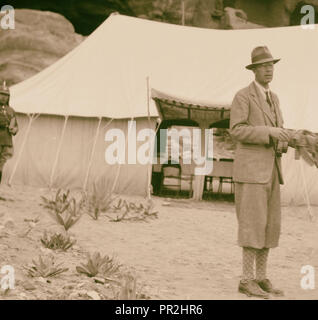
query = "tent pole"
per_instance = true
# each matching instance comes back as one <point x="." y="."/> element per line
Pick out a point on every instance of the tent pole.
<point x="22" y="148"/>
<point x="183" y="12"/>
<point x="311" y="216"/>
<point x="149" y="171"/>
<point x="92" y="153"/>
<point x="58" y="153"/>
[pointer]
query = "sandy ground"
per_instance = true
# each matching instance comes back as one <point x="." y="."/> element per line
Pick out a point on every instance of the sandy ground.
<point x="189" y="252"/>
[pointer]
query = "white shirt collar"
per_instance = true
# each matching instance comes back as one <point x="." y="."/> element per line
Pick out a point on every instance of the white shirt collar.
<point x="262" y="89"/>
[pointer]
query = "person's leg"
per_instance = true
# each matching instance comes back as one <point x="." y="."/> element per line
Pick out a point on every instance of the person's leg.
<point x="272" y="237"/>
<point x="248" y="264"/>
<point x="248" y="284"/>
<point x="2" y="161"/>
<point x="261" y="278"/>
<point x="261" y="263"/>
<point x="6" y="152"/>
<point x="251" y="210"/>
<point x="273" y="227"/>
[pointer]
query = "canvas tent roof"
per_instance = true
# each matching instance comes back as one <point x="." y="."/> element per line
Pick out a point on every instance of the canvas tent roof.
<point x="106" y="75"/>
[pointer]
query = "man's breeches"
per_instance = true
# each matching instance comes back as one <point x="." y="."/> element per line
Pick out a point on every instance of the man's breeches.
<point x="6" y="152"/>
<point x="259" y="213"/>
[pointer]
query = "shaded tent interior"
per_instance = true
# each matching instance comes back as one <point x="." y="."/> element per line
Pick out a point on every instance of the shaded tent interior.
<point x="174" y="111"/>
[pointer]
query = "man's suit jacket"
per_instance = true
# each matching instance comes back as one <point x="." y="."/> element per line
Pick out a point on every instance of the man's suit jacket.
<point x="250" y="120"/>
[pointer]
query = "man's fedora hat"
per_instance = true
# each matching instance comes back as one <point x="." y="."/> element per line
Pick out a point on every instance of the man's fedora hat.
<point x="4" y="89"/>
<point x="260" y="55"/>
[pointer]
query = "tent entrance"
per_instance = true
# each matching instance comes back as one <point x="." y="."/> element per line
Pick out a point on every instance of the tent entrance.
<point x="179" y="114"/>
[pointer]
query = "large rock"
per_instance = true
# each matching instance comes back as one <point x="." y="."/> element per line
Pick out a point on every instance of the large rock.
<point x="241" y="14"/>
<point x="85" y="15"/>
<point x="38" y="40"/>
<point x="214" y="14"/>
<point x="236" y="19"/>
<point x="200" y="13"/>
<point x="207" y="14"/>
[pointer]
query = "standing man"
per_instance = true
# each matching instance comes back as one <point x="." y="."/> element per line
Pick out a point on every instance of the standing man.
<point x="256" y="124"/>
<point x="8" y="127"/>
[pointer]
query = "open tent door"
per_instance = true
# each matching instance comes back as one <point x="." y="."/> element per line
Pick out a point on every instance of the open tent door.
<point x="175" y="110"/>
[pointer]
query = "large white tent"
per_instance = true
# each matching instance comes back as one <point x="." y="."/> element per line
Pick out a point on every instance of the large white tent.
<point x="102" y="84"/>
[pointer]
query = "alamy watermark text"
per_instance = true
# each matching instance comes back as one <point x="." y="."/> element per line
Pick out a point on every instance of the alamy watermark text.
<point x="7" y="20"/>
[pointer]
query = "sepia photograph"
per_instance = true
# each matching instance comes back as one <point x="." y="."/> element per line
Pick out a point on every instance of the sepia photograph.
<point x="159" y="150"/>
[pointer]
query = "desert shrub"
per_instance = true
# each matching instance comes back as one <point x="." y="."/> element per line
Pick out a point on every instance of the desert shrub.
<point x="99" y="200"/>
<point x="44" y="267"/>
<point x="98" y="265"/>
<point x="57" y="241"/>
<point x="130" y="211"/>
<point x="63" y="209"/>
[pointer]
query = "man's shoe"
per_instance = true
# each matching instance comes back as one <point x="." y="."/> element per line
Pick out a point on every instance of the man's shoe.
<point x="267" y="286"/>
<point x="252" y="289"/>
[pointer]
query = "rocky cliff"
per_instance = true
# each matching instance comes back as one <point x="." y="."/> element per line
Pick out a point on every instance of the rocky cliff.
<point x="85" y="15"/>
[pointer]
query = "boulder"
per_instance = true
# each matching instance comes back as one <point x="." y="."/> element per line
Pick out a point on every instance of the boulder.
<point x="236" y="19"/>
<point x="224" y="14"/>
<point x="38" y="40"/>
<point x="213" y="14"/>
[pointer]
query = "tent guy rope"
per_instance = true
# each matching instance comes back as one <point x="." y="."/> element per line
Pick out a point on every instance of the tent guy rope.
<point x="92" y="153"/>
<point x="31" y="118"/>
<point x="58" y="153"/>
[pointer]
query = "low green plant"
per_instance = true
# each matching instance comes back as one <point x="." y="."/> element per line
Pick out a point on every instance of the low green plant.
<point x="45" y="267"/>
<point x="133" y="212"/>
<point x="136" y="208"/>
<point x="57" y="241"/>
<point x="70" y="217"/>
<point x="59" y="204"/>
<point x="99" y="201"/>
<point x="64" y="210"/>
<point x="98" y="265"/>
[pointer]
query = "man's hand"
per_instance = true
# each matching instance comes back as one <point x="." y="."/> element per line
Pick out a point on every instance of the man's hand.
<point x="279" y="134"/>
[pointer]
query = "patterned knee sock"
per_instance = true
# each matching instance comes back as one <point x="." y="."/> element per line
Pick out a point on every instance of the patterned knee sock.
<point x="261" y="263"/>
<point x="248" y="263"/>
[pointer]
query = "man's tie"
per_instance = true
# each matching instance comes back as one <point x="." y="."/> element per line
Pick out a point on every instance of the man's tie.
<point x="270" y="103"/>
